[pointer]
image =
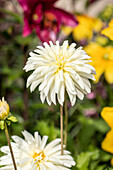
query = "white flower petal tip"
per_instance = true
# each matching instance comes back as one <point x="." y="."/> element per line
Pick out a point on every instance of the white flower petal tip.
<point x="58" y="69"/>
<point x="33" y="153"/>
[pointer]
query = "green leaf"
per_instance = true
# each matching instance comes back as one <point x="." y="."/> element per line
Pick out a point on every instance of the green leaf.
<point x="101" y="126"/>
<point x="2" y="124"/>
<point x="23" y="40"/>
<point x="83" y="160"/>
<point x="48" y="129"/>
<point x="8" y="122"/>
<point x="12" y="119"/>
<point x="102" y="167"/>
<point x="15" y="16"/>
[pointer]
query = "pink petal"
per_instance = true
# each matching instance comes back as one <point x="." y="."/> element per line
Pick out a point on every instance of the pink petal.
<point x="46" y="35"/>
<point x="67" y="18"/>
<point x="27" y="27"/>
<point x="28" y="5"/>
<point x="39" y="13"/>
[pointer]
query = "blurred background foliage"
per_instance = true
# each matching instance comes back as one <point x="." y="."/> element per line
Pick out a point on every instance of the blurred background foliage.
<point x="86" y="128"/>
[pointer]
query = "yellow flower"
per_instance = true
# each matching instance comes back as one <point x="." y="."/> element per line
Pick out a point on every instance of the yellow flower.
<point x="107" y="115"/>
<point x="107" y="144"/>
<point x="102" y="60"/>
<point x="86" y="26"/>
<point x="4" y="109"/>
<point x="67" y="30"/>
<point x="109" y="30"/>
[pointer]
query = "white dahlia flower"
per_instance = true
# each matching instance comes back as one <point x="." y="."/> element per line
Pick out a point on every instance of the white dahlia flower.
<point x="59" y="68"/>
<point x="33" y="154"/>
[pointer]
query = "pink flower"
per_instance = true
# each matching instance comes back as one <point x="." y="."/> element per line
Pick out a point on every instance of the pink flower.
<point x="45" y="18"/>
<point x="91" y="95"/>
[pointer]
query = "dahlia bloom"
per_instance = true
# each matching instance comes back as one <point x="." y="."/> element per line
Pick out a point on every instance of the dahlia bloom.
<point x="45" y="18"/>
<point x="59" y="68"/>
<point x="109" y="30"/>
<point x="32" y="153"/>
<point x="103" y="55"/>
<point x="107" y="144"/>
<point x="4" y="109"/>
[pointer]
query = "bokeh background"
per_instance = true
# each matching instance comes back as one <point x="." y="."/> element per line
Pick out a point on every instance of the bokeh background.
<point x="86" y="128"/>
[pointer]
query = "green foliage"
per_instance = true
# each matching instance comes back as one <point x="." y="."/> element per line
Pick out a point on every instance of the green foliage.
<point x="12" y="118"/>
<point x="48" y="129"/>
<point x="2" y="124"/>
<point x="85" y="132"/>
<point x="107" y="14"/>
<point x="83" y="160"/>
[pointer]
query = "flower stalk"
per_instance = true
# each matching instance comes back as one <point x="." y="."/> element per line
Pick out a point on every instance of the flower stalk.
<point x="61" y="127"/>
<point x="66" y="120"/>
<point x="9" y="143"/>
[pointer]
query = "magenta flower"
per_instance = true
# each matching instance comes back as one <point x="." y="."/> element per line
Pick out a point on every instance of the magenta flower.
<point x="45" y="18"/>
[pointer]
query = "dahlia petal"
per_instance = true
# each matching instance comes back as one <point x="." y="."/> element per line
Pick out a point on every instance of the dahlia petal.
<point x="5" y="160"/>
<point x="43" y="143"/>
<point x="71" y="97"/>
<point x="23" y="144"/>
<point x="35" y="84"/>
<point x="45" y="156"/>
<point x="52" y="93"/>
<point x="52" y="144"/>
<point x="48" y="50"/>
<point x="42" y="167"/>
<point x="47" y="89"/>
<point x="57" y="83"/>
<point x="50" y="165"/>
<point x="55" y="64"/>
<point x="64" y="47"/>
<point x="65" y="152"/>
<point x="80" y="94"/>
<point x="28" y="137"/>
<point x="87" y="85"/>
<point x="62" y="168"/>
<point x="36" y="138"/>
<point x="69" y="81"/>
<point x="61" y="75"/>
<point x="48" y="98"/>
<point x="42" y="97"/>
<point x="62" y="92"/>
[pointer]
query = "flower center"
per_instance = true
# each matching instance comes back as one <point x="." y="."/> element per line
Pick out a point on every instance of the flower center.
<point x="50" y="21"/>
<point x="106" y="56"/>
<point x="35" y="17"/>
<point x="60" y="62"/>
<point x="61" y="65"/>
<point x="38" y="157"/>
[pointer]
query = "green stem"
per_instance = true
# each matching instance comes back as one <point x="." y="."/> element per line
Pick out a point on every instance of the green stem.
<point x="9" y="143"/>
<point x="61" y="127"/>
<point x="66" y="120"/>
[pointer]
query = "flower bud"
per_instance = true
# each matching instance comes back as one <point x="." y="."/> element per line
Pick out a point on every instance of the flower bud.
<point x="4" y="109"/>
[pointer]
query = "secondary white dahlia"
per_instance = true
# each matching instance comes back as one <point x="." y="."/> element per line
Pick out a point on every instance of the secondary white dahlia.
<point x="33" y="154"/>
<point x="59" y="68"/>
